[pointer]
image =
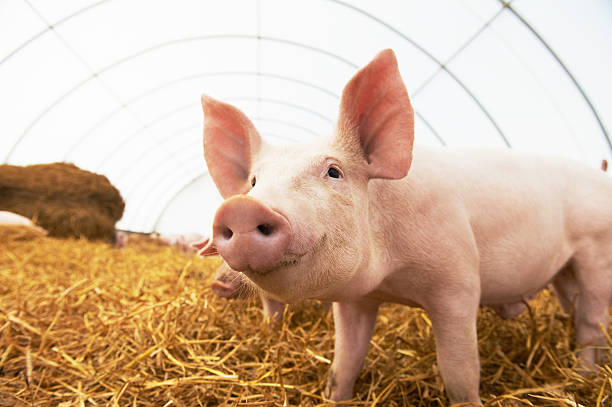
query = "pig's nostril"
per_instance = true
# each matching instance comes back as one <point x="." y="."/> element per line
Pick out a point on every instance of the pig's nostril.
<point x="265" y="229"/>
<point x="227" y="233"/>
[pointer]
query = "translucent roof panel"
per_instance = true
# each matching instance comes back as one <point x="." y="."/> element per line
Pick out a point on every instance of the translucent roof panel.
<point x="114" y="86"/>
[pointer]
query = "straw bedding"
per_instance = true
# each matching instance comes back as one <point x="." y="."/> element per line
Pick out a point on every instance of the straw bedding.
<point x="83" y="324"/>
<point x="62" y="198"/>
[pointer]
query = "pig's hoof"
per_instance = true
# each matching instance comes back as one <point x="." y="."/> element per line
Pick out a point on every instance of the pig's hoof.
<point x="333" y="392"/>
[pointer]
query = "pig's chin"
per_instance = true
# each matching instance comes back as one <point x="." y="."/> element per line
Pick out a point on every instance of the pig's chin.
<point x="281" y="265"/>
<point x="291" y="271"/>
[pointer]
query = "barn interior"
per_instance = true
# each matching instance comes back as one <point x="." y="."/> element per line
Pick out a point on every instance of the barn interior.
<point x="101" y="146"/>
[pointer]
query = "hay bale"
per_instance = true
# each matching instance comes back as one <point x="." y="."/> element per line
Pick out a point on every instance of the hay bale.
<point x="62" y="198"/>
<point x="84" y="324"/>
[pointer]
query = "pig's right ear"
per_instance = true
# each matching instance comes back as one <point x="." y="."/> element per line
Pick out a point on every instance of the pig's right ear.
<point x="230" y="144"/>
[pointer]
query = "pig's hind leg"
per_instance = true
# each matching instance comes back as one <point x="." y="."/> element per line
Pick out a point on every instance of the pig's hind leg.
<point x="592" y="266"/>
<point x="566" y="288"/>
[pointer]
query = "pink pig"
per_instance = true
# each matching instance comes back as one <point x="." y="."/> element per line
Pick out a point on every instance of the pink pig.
<point x="344" y="220"/>
<point x="186" y="242"/>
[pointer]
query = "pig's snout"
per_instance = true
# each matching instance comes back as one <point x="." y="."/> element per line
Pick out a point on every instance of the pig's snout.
<point x="249" y="235"/>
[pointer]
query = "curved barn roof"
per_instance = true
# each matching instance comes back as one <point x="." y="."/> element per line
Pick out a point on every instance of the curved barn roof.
<point x="114" y="86"/>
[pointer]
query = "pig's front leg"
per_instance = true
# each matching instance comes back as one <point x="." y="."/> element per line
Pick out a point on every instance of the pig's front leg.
<point x="273" y="310"/>
<point x="354" y="325"/>
<point x="453" y="317"/>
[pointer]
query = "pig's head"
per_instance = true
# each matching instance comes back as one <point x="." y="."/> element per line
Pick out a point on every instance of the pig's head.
<point x="296" y="220"/>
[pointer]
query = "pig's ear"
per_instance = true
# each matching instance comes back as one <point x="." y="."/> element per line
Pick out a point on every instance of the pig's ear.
<point x="376" y="114"/>
<point x="230" y="144"/>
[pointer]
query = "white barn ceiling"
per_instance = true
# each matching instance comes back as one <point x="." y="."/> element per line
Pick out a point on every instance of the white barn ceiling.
<point x="114" y="86"/>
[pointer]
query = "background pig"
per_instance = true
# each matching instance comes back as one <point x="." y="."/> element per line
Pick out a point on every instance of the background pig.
<point x="344" y="220"/>
<point x="120" y="239"/>
<point x="10" y="218"/>
<point x="186" y="242"/>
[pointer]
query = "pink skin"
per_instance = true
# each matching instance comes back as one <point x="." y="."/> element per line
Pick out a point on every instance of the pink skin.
<point x="230" y="284"/>
<point x="121" y="239"/>
<point x="186" y="242"/>
<point x="450" y="230"/>
<point x="249" y="235"/>
<point x="10" y="218"/>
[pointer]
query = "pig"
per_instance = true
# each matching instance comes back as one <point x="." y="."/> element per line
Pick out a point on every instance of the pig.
<point x="120" y="239"/>
<point x="228" y="283"/>
<point x="186" y="242"/>
<point x="10" y="218"/>
<point x="363" y="217"/>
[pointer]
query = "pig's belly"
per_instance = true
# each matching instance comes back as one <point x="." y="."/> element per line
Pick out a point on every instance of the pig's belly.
<point x="508" y="280"/>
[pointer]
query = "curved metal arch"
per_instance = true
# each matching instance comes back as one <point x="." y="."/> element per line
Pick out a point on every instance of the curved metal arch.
<point x="289" y="124"/>
<point x="434" y="59"/>
<point x="250" y="37"/>
<point x="133" y="162"/>
<point x="159" y="46"/>
<point x="185" y="187"/>
<point x="565" y="68"/>
<point x="176" y="152"/>
<point x="430" y="127"/>
<point x="187" y="106"/>
<point x="199" y="124"/>
<point x="147" y="126"/>
<point x="505" y="4"/>
<point x="147" y="216"/>
<point x="49" y="28"/>
<point x="171" y="200"/>
<point x="164" y="116"/>
<point x="368" y="15"/>
<point x="169" y="138"/>
<point x="164" y="85"/>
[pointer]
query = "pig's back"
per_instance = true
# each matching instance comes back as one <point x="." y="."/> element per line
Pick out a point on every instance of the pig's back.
<point x="512" y="181"/>
<point x="525" y="211"/>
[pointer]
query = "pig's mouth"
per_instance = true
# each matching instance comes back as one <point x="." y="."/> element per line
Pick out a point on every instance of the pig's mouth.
<point x="291" y="260"/>
<point x="282" y="264"/>
<point x="288" y="263"/>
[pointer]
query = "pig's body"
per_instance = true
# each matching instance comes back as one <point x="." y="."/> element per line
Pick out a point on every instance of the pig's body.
<point x="517" y="224"/>
<point x="343" y="220"/>
<point x="451" y="237"/>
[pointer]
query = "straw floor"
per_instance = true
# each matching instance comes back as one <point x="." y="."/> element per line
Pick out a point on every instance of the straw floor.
<point x="83" y="324"/>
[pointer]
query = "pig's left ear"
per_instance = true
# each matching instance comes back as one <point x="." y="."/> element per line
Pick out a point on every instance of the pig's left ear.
<point x="230" y="145"/>
<point x="376" y="114"/>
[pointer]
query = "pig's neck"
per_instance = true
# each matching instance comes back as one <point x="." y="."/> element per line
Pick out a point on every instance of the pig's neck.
<point x="407" y="223"/>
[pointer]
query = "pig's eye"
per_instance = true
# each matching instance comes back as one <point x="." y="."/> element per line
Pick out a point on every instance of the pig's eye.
<point x="333" y="172"/>
<point x="253" y="181"/>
